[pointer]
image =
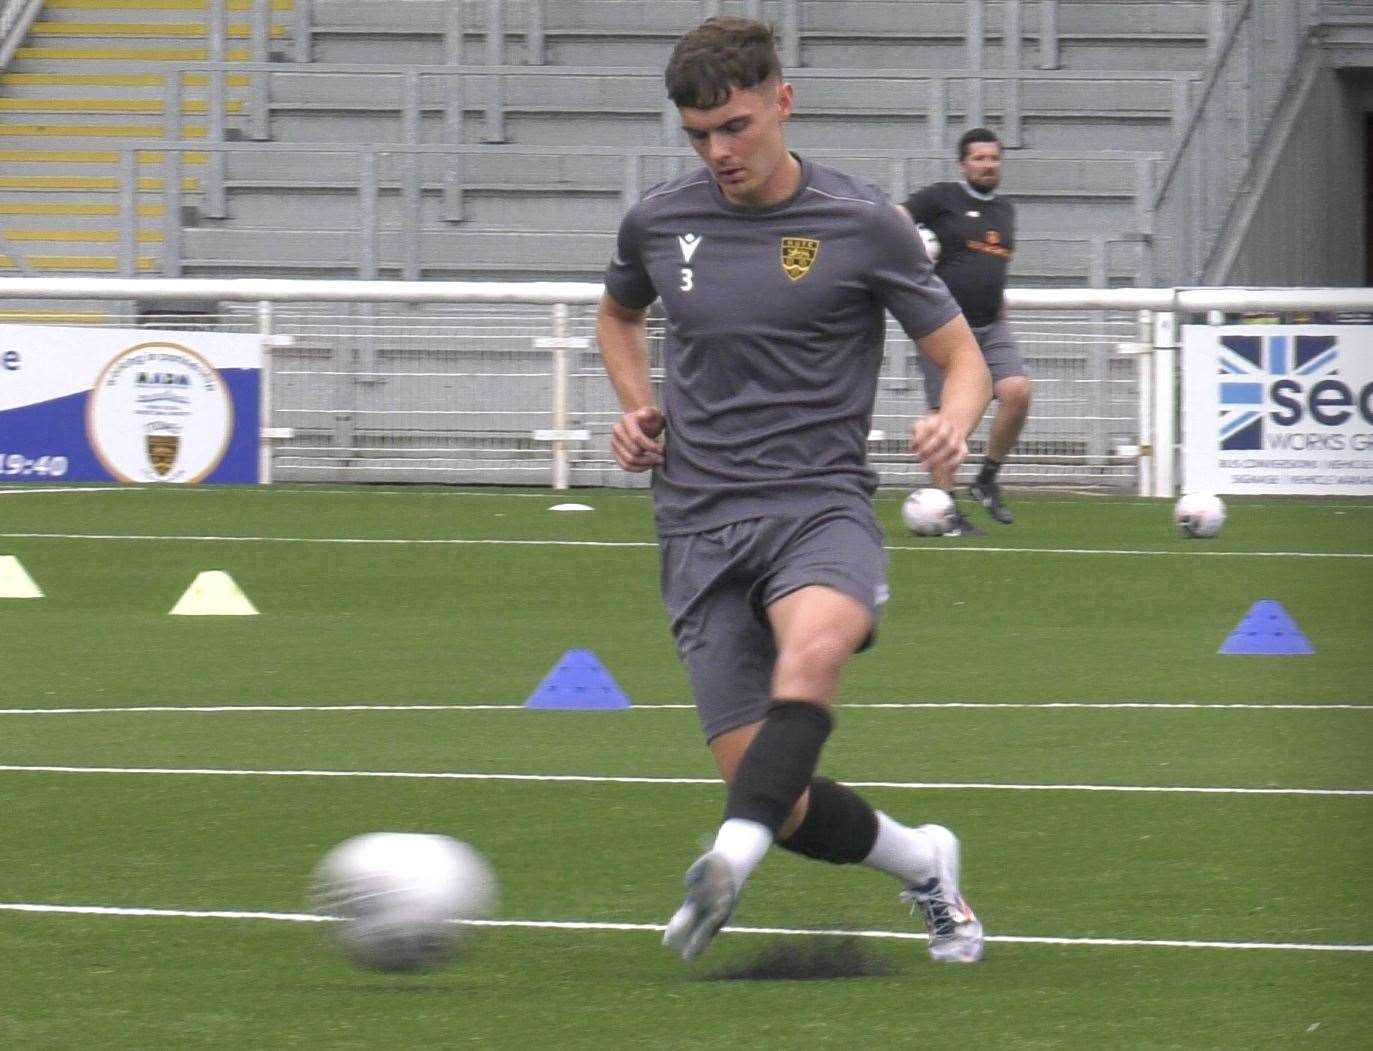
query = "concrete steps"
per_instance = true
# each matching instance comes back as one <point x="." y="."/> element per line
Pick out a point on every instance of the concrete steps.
<point x="97" y="71"/>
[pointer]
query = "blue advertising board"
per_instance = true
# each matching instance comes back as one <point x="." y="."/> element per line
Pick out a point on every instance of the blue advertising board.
<point x="128" y="405"/>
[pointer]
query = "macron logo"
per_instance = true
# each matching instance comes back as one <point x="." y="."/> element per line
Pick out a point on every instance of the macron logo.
<point x="689" y="243"/>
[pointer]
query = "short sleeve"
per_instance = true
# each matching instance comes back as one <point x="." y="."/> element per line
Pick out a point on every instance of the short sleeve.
<point x="924" y="205"/>
<point x="626" y="278"/>
<point x="900" y="276"/>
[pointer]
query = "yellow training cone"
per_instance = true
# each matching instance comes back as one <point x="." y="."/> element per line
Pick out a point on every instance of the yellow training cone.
<point x="15" y="581"/>
<point x="214" y="593"/>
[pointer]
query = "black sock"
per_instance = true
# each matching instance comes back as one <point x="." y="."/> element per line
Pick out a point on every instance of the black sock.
<point x="988" y="472"/>
<point x="840" y="827"/>
<point x="779" y="763"/>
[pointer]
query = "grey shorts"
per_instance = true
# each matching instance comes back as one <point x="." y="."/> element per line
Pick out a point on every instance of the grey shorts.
<point x="998" y="347"/>
<point x="717" y="585"/>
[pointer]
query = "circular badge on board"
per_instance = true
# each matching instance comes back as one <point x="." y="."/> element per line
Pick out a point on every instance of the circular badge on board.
<point x="160" y="412"/>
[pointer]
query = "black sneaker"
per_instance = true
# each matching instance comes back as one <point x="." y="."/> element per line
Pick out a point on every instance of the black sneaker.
<point x="988" y="494"/>
<point x="962" y="527"/>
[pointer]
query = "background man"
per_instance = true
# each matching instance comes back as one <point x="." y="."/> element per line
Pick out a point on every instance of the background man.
<point x="774" y="274"/>
<point x="976" y="234"/>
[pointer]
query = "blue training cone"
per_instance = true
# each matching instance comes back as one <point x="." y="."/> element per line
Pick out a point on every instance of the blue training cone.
<point x="1267" y="629"/>
<point x="578" y="681"/>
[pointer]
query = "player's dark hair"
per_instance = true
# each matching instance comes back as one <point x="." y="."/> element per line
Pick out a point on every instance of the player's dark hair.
<point x="722" y="53"/>
<point x="973" y="135"/>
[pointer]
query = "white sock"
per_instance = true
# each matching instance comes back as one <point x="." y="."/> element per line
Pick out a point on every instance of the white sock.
<point x="743" y="844"/>
<point x="902" y="852"/>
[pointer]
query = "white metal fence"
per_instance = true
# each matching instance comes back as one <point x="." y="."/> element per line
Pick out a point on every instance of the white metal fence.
<point x="467" y="382"/>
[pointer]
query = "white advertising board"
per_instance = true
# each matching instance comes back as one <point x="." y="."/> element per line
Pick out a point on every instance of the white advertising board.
<point x="1277" y="409"/>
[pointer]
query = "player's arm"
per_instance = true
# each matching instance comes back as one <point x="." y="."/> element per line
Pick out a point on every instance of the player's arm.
<point x="940" y="439"/>
<point x="622" y="334"/>
<point x="905" y="284"/>
<point x="923" y="206"/>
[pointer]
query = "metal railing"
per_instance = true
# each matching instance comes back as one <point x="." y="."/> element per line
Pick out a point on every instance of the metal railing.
<point x="456" y="381"/>
<point x="368" y="172"/>
<point x="15" y="18"/>
<point x="1253" y="67"/>
<point x="785" y="15"/>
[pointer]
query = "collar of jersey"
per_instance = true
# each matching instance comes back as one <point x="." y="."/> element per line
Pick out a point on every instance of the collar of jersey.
<point x="976" y="193"/>
<point x="771" y="209"/>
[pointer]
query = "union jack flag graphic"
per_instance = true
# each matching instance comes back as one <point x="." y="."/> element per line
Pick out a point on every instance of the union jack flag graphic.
<point x="1254" y="361"/>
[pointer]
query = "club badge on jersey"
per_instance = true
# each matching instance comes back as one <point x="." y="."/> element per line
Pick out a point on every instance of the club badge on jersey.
<point x="798" y="256"/>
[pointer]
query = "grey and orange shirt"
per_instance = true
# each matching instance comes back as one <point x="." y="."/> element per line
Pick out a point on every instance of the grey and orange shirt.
<point x="775" y="333"/>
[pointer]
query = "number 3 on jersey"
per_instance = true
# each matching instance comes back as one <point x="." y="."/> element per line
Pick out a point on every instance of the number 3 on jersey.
<point x="688" y="282"/>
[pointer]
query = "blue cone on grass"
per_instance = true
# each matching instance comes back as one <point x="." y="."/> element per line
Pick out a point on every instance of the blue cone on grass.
<point x="578" y="681"/>
<point x="1267" y="629"/>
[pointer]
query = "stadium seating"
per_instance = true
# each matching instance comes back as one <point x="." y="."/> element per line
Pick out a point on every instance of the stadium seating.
<point x="1094" y="98"/>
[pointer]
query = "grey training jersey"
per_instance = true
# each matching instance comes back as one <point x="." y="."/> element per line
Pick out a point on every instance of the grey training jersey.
<point x="774" y="338"/>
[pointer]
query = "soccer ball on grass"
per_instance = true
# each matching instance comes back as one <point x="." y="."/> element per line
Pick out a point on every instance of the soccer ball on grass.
<point x="403" y="898"/>
<point x="928" y="512"/>
<point x="1199" y="515"/>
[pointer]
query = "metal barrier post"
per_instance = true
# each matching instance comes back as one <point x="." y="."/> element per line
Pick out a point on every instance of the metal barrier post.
<point x="791" y="34"/>
<point x="171" y="216"/>
<point x="533" y="37"/>
<point x="1144" y="376"/>
<point x="560" y="464"/>
<point x="938" y="114"/>
<point x="367" y="215"/>
<point x="629" y="191"/>
<point x="1048" y="34"/>
<point x="128" y="212"/>
<point x="302" y="45"/>
<point x="453" y="135"/>
<point x="1164" y="419"/>
<point x="264" y="422"/>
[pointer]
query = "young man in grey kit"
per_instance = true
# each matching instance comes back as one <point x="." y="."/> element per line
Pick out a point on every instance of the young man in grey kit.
<point x="774" y="273"/>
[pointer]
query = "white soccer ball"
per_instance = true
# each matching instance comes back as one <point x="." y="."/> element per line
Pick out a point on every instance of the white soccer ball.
<point x="403" y="898"/>
<point x="1199" y="514"/>
<point x="930" y="242"/>
<point x="928" y="512"/>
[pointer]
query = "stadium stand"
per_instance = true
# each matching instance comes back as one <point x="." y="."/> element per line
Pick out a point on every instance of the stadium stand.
<point x="429" y="138"/>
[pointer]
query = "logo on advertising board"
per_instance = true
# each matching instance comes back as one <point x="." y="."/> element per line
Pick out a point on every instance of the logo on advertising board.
<point x="1279" y="409"/>
<point x="1266" y="380"/>
<point x="160" y="412"/>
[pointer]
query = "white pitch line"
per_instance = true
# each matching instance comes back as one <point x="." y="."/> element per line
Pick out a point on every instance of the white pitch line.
<point x="494" y="542"/>
<point x="65" y="489"/>
<point x="234" y="709"/>
<point x="394" y="541"/>
<point x="446" y="775"/>
<point x="656" y="928"/>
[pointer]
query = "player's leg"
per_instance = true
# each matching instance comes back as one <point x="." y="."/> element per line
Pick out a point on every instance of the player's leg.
<point x="832" y="823"/>
<point x="817" y="629"/>
<point x="768" y="763"/>
<point x="943" y="477"/>
<point x="1012" y="390"/>
<point x="728" y="653"/>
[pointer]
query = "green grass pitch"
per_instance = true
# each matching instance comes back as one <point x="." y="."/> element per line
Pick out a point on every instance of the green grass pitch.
<point x="1119" y="896"/>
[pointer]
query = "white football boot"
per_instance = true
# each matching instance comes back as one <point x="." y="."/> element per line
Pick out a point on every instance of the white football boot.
<point x="709" y="902"/>
<point x="955" y="933"/>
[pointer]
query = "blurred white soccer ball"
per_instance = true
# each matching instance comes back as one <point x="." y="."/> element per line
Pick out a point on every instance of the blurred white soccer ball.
<point x="1199" y="514"/>
<point x="403" y="897"/>
<point x="928" y="512"/>
<point x="930" y="242"/>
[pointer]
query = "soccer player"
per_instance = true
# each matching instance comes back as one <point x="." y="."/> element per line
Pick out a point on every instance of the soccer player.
<point x="773" y="273"/>
<point x="976" y="233"/>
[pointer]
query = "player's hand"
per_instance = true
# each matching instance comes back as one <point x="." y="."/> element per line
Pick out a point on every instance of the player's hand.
<point x="937" y="443"/>
<point x="635" y="439"/>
